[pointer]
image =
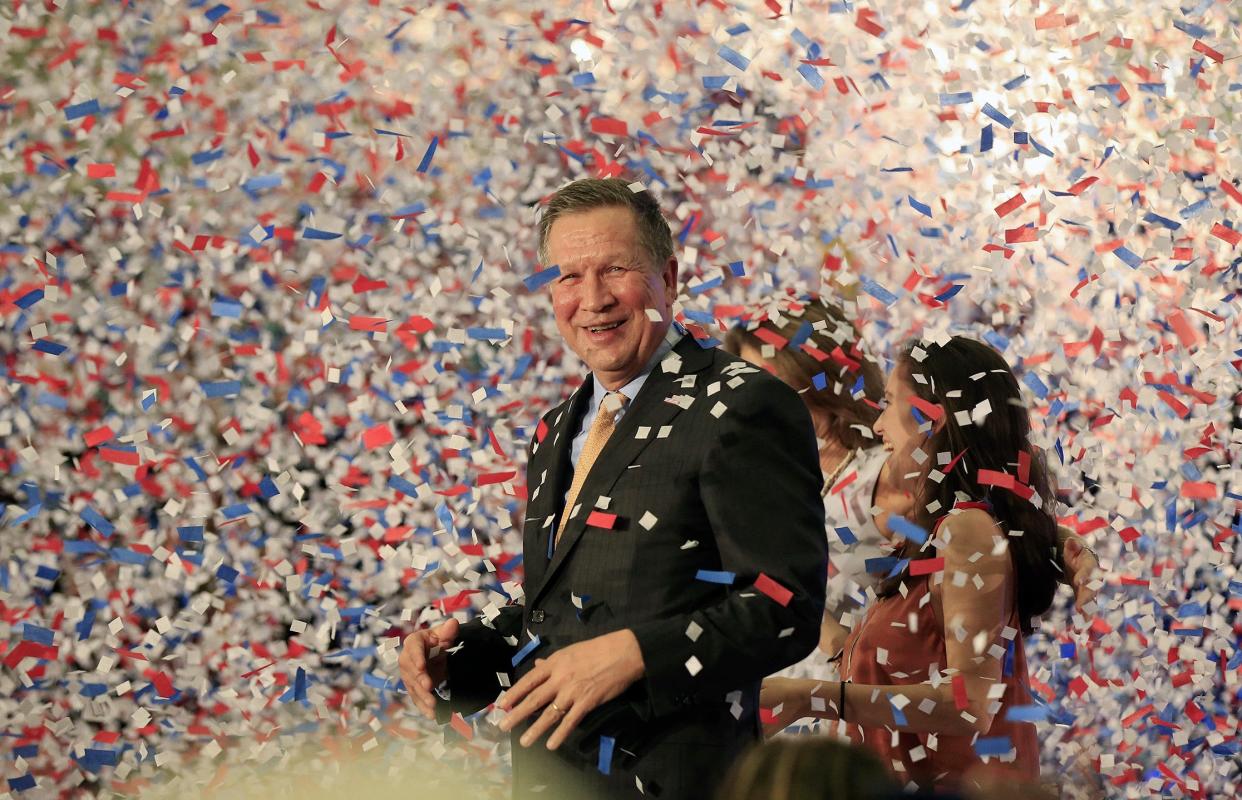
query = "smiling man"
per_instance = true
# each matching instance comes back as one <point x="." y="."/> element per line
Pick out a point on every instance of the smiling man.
<point x="674" y="544"/>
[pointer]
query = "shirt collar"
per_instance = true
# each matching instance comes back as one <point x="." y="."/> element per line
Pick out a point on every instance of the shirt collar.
<point x="671" y="337"/>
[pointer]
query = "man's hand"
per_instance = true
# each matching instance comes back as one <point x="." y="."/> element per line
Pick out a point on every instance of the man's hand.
<point x="1081" y="567"/>
<point x="420" y="670"/>
<point x="780" y="692"/>
<point x="570" y="683"/>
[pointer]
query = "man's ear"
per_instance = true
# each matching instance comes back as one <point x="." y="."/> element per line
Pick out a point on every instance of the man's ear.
<point x="669" y="273"/>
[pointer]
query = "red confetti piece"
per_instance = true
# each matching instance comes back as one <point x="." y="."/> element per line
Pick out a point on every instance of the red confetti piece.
<point x="98" y="436"/>
<point x="378" y="436"/>
<point x="773" y="589"/>
<point x="1199" y="490"/>
<point x="1081" y="186"/>
<point x="929" y="410"/>
<point x="1007" y="207"/>
<point x="368" y="324"/>
<point x="960" y="701"/>
<point x="1185" y="333"/>
<point x="609" y="126"/>
<point x="926" y="566"/>
<point x="127" y="458"/>
<point x="1231" y="190"/>
<point x="100" y="170"/>
<point x="769" y="336"/>
<point x="1027" y="233"/>
<point x="600" y="519"/>
<point x="1226" y="234"/>
<point x="460" y="725"/>
<point x="1210" y="52"/>
<point x="865" y="22"/>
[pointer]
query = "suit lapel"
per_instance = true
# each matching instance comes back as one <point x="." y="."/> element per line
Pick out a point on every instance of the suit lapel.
<point x="649" y="409"/>
<point x="551" y="460"/>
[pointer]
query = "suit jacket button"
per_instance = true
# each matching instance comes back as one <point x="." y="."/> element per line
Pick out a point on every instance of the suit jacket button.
<point x="537" y="616"/>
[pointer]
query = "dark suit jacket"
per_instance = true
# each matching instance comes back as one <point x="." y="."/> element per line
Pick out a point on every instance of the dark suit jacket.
<point x="714" y="478"/>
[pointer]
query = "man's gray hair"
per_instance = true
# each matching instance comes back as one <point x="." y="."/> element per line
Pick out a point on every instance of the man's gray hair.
<point x="654" y="234"/>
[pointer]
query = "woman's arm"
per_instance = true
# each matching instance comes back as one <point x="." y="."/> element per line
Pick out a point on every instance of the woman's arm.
<point x="977" y="598"/>
<point x="832" y="635"/>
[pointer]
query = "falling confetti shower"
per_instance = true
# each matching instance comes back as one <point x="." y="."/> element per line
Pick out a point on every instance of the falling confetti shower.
<point x="273" y="333"/>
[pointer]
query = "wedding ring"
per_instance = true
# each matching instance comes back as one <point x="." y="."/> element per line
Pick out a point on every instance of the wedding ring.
<point x="557" y="708"/>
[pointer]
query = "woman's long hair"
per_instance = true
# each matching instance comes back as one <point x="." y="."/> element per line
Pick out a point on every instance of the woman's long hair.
<point x="822" y="359"/>
<point x="985" y="452"/>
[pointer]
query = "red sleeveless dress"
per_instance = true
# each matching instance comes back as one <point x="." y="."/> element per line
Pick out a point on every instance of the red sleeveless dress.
<point x="932" y="761"/>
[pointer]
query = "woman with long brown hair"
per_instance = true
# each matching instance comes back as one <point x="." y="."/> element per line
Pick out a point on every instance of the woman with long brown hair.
<point x="934" y="677"/>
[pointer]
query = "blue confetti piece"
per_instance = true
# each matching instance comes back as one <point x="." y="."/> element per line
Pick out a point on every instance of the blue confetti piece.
<point x="123" y="555"/>
<point x="877" y="291"/>
<point x="191" y="533"/>
<point x="1191" y="29"/>
<point x="583" y="79"/>
<point x="50" y="347"/>
<point x="736" y="59"/>
<point x="949" y="293"/>
<point x="207" y="156"/>
<point x="812" y="76"/>
<point x="722" y="577"/>
<point x="899" y="718"/>
<point x="78" y="547"/>
<point x="819" y="381"/>
<point x="22" y="783"/>
<point x="880" y="565"/>
<point x="1069" y="650"/>
<point x="956" y="98"/>
<point x="79" y="110"/>
<point x="315" y="233"/>
<point x="268" y="488"/>
<point x="425" y="163"/>
<point x="87" y="624"/>
<point x="214" y="13"/>
<point x="1036" y="385"/>
<point x="985" y="139"/>
<point x="922" y="208"/>
<point x="29" y="298"/>
<point x="541" y="278"/>
<point x="93" y="518"/>
<point x="737" y="268"/>
<point x="226" y="573"/>
<point x="1128" y="257"/>
<point x="905" y="528"/>
<point x="846" y="535"/>
<point x="34" y="633"/>
<point x="402" y="485"/>
<point x="235" y="511"/>
<point x="221" y="388"/>
<point x="715" y="81"/>
<point x="487" y="334"/>
<point x="993" y="745"/>
<point x="1014" y="83"/>
<point x="526" y="650"/>
<point x="226" y="308"/>
<point x="53" y="400"/>
<point x="1165" y="222"/>
<point x="148" y="400"/>
<point x="993" y="114"/>
<point x="606" y="745"/>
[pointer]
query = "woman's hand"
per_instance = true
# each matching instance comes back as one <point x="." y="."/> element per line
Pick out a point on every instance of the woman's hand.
<point x="787" y="699"/>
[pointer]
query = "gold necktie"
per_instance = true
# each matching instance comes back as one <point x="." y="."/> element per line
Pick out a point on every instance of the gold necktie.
<point x="597" y="437"/>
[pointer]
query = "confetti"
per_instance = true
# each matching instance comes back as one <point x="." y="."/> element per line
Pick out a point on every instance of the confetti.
<point x="276" y="340"/>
